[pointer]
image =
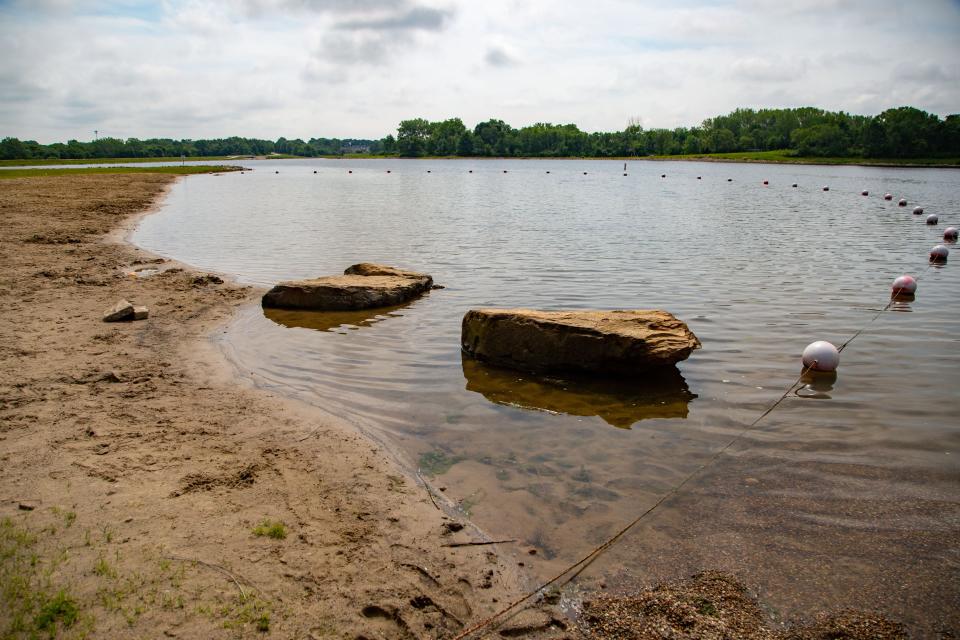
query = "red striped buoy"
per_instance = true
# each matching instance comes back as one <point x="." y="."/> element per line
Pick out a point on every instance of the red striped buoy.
<point x="904" y="285"/>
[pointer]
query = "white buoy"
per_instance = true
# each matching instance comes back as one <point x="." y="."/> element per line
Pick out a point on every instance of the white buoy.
<point x="902" y="202"/>
<point x="939" y="253"/>
<point x="950" y="233"/>
<point x="917" y="211"/>
<point x="932" y="219"/>
<point x="904" y="285"/>
<point x="864" y="193"/>
<point x="887" y="196"/>
<point x="821" y="356"/>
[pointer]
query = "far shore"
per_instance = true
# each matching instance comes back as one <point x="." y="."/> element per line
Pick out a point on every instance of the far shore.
<point x="758" y="157"/>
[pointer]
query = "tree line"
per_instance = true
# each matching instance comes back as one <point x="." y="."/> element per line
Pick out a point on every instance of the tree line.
<point x="14" y="149"/>
<point x="903" y="132"/>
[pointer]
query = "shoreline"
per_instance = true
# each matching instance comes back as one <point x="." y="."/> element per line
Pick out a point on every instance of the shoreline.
<point x="137" y="447"/>
<point x="802" y="161"/>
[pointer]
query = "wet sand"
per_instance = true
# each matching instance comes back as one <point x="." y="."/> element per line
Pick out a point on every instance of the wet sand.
<point x="134" y="469"/>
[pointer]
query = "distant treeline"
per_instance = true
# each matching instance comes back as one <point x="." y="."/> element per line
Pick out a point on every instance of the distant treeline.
<point x="14" y="149"/>
<point x="904" y="132"/>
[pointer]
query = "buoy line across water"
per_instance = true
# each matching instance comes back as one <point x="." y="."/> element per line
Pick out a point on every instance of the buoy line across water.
<point x="575" y="569"/>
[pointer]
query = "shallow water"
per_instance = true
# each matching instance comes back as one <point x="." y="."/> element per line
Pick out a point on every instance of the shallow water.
<point x="847" y="496"/>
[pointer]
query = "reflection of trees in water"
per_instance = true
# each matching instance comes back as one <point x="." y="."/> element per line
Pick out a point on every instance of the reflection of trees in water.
<point x="659" y="394"/>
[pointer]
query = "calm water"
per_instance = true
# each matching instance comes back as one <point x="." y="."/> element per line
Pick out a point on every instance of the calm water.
<point x="847" y="498"/>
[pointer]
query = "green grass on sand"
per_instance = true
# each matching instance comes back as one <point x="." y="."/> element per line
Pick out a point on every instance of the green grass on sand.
<point x="176" y="170"/>
<point x="43" y="162"/>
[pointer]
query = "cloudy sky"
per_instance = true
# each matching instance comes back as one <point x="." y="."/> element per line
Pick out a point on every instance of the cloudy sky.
<point x="355" y="68"/>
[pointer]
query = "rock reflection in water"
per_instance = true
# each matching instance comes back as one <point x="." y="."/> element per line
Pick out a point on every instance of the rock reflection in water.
<point x="337" y="321"/>
<point x="621" y="403"/>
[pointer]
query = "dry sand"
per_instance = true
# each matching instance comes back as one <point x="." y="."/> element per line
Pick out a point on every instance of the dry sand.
<point x="135" y="470"/>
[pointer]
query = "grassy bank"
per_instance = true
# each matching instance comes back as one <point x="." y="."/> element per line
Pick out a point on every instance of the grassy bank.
<point x="785" y="156"/>
<point x="782" y="156"/>
<point x="175" y="170"/>
<point x="37" y="162"/>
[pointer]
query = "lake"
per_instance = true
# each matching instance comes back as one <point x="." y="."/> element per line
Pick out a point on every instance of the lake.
<point x="845" y="495"/>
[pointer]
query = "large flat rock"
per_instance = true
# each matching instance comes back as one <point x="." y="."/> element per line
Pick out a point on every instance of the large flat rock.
<point x="597" y="342"/>
<point x="363" y="286"/>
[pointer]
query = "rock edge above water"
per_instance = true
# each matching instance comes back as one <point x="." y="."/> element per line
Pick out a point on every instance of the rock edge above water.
<point x="363" y="286"/>
<point x="620" y="343"/>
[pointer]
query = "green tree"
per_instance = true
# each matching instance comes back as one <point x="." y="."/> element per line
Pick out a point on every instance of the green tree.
<point x="412" y="137"/>
<point x="12" y="149"/>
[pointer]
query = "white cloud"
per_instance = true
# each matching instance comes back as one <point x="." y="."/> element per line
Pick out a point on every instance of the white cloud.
<point x="302" y="68"/>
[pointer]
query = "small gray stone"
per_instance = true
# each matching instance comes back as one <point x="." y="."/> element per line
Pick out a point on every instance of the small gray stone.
<point x="122" y="310"/>
<point x="140" y="313"/>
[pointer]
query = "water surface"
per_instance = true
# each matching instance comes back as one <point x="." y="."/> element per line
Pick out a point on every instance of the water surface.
<point x="846" y="495"/>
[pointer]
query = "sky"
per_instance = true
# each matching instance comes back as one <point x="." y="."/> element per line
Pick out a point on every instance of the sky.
<point x="356" y="68"/>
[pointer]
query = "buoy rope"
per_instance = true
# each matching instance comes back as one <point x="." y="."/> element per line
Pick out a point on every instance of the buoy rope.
<point x="588" y="559"/>
<point x="893" y="299"/>
<point x="584" y="562"/>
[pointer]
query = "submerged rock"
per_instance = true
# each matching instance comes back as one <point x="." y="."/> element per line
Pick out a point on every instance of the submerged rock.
<point x="363" y="286"/>
<point x="599" y="342"/>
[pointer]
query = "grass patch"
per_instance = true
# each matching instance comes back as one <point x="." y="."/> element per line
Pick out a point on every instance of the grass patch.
<point x="59" y="611"/>
<point x="176" y="170"/>
<point x="32" y="607"/>
<point x="247" y="612"/>
<point x="38" y="162"/>
<point x="102" y="568"/>
<point x="276" y="530"/>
